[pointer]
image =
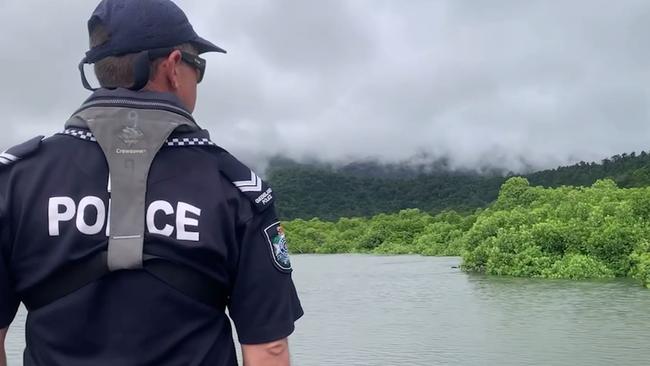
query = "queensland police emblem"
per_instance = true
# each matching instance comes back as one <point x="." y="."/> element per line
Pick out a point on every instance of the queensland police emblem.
<point x="278" y="244"/>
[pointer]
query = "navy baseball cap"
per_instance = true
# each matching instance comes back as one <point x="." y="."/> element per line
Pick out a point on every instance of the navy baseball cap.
<point x="139" y="25"/>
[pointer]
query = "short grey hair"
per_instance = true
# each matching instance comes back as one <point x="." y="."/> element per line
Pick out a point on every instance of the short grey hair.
<point x="117" y="71"/>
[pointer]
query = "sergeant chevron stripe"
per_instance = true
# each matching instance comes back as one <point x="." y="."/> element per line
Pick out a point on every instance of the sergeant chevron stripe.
<point x="6" y="158"/>
<point x="252" y="185"/>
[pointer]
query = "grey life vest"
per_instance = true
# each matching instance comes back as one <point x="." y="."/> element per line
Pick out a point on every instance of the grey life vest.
<point x="130" y="138"/>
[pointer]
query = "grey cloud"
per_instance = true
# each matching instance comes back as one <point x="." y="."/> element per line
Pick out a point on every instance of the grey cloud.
<point x="505" y="83"/>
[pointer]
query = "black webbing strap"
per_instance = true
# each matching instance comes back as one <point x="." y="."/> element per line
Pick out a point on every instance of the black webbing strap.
<point x="66" y="281"/>
<point x="79" y="274"/>
<point x="190" y="282"/>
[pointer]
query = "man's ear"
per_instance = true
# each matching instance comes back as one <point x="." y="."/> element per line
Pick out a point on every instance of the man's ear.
<point x="172" y="63"/>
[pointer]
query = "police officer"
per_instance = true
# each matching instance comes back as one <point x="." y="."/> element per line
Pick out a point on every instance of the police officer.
<point x="129" y="233"/>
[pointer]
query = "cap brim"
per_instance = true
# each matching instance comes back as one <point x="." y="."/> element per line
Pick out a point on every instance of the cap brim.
<point x="203" y="46"/>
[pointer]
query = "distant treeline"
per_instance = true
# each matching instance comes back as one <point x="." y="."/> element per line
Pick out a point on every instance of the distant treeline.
<point x="569" y="232"/>
<point x="367" y="189"/>
<point x="306" y="192"/>
<point x="406" y="232"/>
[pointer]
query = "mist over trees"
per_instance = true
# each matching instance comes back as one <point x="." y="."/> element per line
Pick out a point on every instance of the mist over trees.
<point x="307" y="190"/>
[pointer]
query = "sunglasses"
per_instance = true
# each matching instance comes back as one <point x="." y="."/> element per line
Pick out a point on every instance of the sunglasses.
<point x="192" y="60"/>
<point x="196" y="62"/>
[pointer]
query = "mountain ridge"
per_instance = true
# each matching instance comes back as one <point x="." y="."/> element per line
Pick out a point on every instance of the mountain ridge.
<point x="365" y="188"/>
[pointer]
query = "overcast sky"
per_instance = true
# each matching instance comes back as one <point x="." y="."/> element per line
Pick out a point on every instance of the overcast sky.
<point x="484" y="82"/>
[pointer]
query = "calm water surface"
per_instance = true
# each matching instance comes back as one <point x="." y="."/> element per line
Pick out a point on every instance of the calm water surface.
<point x="382" y="311"/>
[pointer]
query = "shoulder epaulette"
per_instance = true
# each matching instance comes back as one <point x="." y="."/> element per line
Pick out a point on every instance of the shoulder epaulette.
<point x="20" y="152"/>
<point x="249" y="183"/>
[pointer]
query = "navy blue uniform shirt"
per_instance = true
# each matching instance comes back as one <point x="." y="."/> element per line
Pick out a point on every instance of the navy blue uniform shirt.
<point x="53" y="210"/>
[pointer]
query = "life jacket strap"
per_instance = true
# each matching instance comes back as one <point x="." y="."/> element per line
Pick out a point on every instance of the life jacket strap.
<point x="77" y="275"/>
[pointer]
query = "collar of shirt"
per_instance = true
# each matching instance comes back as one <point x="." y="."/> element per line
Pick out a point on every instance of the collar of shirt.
<point x="142" y="99"/>
<point x="121" y="93"/>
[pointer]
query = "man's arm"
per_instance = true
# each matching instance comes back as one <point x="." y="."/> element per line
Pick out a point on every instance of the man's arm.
<point x="3" y="358"/>
<point x="267" y="354"/>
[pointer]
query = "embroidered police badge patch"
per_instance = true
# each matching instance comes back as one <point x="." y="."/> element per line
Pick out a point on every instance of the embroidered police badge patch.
<point x="278" y="244"/>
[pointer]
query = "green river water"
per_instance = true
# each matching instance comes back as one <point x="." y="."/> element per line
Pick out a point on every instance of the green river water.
<point x="409" y="310"/>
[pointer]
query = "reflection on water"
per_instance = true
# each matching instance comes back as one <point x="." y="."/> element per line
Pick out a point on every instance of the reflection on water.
<point x="368" y="310"/>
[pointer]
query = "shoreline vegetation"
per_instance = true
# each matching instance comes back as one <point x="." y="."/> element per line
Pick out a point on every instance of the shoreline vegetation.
<point x="568" y="232"/>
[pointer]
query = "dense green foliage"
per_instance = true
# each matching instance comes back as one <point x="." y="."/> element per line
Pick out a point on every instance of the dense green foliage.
<point x="406" y="232"/>
<point x="627" y="170"/>
<point x="568" y="232"/>
<point x="366" y="189"/>
<point x="306" y="192"/>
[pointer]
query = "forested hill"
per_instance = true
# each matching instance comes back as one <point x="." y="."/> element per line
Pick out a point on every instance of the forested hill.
<point x="628" y="170"/>
<point x="364" y="189"/>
